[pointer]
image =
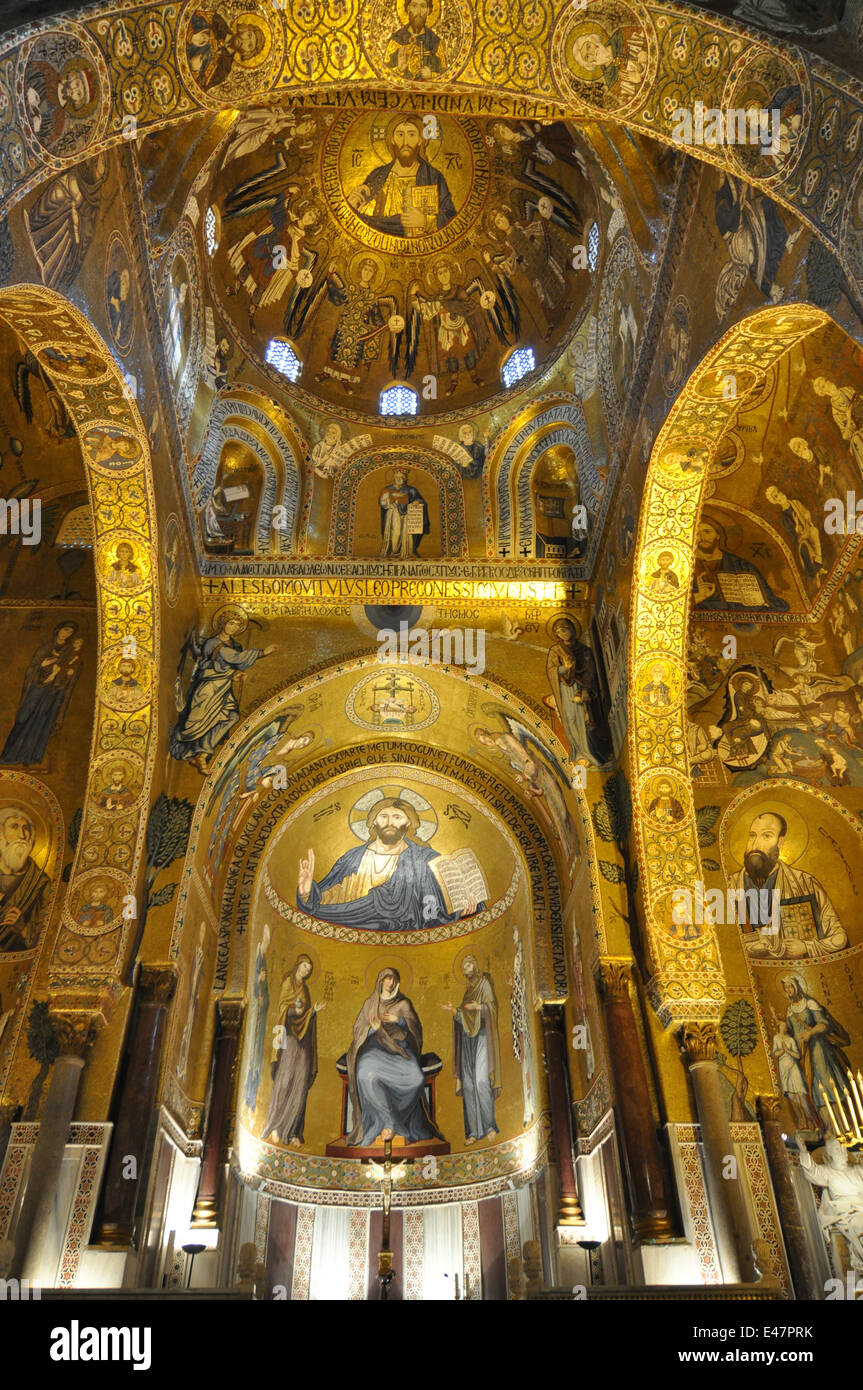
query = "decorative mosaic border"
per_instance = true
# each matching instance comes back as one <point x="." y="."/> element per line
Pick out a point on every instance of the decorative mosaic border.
<point x="470" y="1251"/>
<point x="699" y="1211"/>
<point x="83" y="1210"/>
<point x="346" y="1181"/>
<point x="121" y="492"/>
<point x="688" y="982"/>
<point x="303" y="1254"/>
<point x="139" y="63"/>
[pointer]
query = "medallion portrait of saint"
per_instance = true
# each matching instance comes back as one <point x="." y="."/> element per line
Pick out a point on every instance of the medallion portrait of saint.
<point x="393" y="881"/>
<point x="609" y="58"/>
<point x="407" y="196"/>
<point x="61" y="94"/>
<point x="215" y="45"/>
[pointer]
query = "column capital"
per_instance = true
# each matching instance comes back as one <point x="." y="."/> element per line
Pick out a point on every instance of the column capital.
<point x="698" y="1041"/>
<point x="768" y="1107"/>
<point x="230" y="1012"/>
<point x="157" y="983"/>
<point x="615" y="973"/>
<point x="76" y="1030"/>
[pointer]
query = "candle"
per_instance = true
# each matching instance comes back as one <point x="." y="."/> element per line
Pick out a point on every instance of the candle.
<point x="456" y="1288"/>
<point x="826" y="1100"/>
<point x="857" y="1114"/>
<point x="839" y="1107"/>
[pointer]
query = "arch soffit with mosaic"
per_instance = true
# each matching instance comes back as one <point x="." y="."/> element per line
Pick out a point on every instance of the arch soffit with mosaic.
<point x="679" y="57"/>
<point x="687" y="983"/>
<point x="86" y="966"/>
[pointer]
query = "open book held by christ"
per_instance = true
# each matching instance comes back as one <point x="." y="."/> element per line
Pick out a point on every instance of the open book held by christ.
<point x="461" y="880"/>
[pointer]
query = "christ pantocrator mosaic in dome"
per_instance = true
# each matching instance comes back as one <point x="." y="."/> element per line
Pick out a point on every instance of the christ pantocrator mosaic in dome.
<point x="402" y="245"/>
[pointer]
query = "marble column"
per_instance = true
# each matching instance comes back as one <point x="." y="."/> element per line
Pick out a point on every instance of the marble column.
<point x="114" y="1224"/>
<point x="803" y="1270"/>
<point x="731" y="1222"/>
<point x="76" y="1031"/>
<point x="652" y="1205"/>
<point x="229" y="1022"/>
<point x="560" y="1098"/>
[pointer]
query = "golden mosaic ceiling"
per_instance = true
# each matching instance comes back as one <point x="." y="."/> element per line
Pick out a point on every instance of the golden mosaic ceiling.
<point x="388" y="247"/>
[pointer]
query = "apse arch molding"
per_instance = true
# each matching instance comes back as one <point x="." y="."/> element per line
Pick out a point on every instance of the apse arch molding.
<point x="683" y="56"/>
<point x="688" y="982"/>
<point x="116" y="458"/>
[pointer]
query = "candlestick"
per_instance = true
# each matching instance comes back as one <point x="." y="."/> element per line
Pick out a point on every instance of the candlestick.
<point x="456" y="1289"/>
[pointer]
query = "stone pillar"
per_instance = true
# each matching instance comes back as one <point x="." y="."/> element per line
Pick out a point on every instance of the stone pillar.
<point x="114" y="1224"/>
<point x="803" y="1271"/>
<point x="728" y="1203"/>
<point x="76" y="1031"/>
<point x="229" y="1013"/>
<point x="557" y="1071"/>
<point x="652" y="1204"/>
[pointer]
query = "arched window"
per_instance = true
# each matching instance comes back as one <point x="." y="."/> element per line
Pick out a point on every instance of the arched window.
<point x="399" y="400"/>
<point x="281" y="355"/>
<point x="520" y="361"/>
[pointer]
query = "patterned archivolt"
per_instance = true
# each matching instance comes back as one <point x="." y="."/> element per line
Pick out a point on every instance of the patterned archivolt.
<point x="688" y="977"/>
<point x="70" y="89"/>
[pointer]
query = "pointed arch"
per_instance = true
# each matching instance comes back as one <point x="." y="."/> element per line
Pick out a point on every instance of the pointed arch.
<point x="687" y="983"/>
<point x="116" y="456"/>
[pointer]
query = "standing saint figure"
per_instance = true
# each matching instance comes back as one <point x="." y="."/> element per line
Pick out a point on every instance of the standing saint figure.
<point x="397" y="540"/>
<point x="476" y="1049"/>
<point x="260" y="1005"/>
<point x="574" y="680"/>
<point x="210" y="709"/>
<point x="538" y="250"/>
<point x="48" y="684"/>
<point x="820" y="1039"/>
<point x="365" y="317"/>
<point x="295" y="1063"/>
<point x="62" y="219"/>
<point x="792" y="1078"/>
<point x="455" y="325"/>
<point x="385" y="1075"/>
